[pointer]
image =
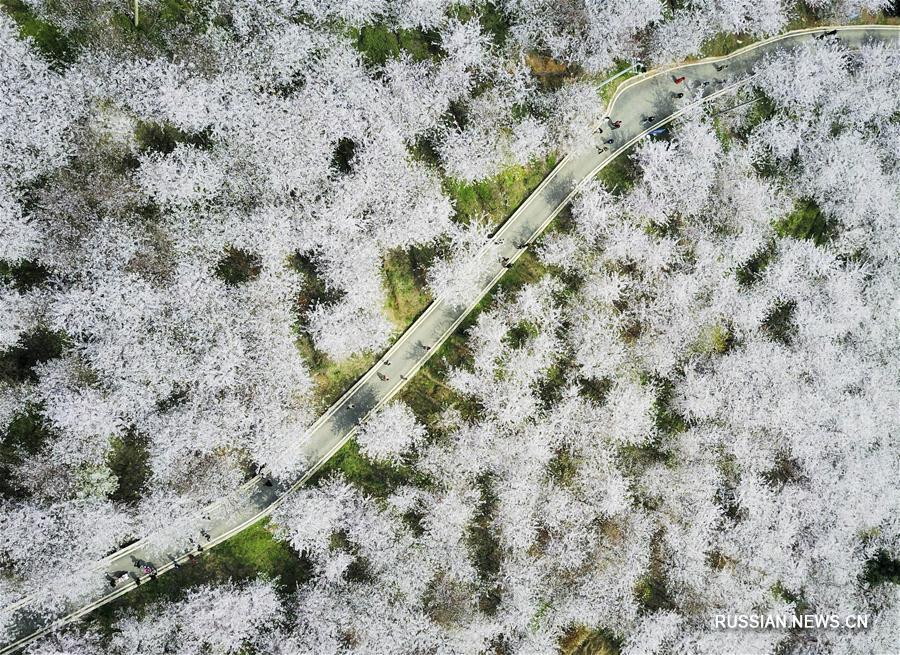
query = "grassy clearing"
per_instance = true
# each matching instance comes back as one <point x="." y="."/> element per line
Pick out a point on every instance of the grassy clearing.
<point x="806" y="221"/>
<point x="374" y="478"/>
<point x="585" y="641"/>
<point x="58" y="48"/>
<point x="380" y="42"/>
<point x="404" y="281"/>
<point x="496" y="198"/>
<point x="489" y="14"/>
<point x="549" y="73"/>
<point x="129" y="460"/>
<point x="246" y="556"/>
<point x="620" y="174"/>
<point x="330" y="378"/>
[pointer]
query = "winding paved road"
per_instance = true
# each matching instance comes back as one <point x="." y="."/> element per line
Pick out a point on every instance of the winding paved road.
<point x="650" y="94"/>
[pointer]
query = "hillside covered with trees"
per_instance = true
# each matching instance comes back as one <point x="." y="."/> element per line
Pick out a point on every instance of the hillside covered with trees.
<point x="683" y="402"/>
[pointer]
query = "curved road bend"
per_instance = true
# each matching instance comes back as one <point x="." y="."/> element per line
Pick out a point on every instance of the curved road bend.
<point x="649" y="94"/>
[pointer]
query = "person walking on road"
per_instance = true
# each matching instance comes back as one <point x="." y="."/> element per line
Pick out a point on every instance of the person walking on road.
<point x="600" y="150"/>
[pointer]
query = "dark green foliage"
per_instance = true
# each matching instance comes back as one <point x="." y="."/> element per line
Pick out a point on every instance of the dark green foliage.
<point x="314" y="290"/>
<point x="26" y="435"/>
<point x="47" y="38"/>
<point x="563" y="467"/>
<point x="520" y="333"/>
<point x="374" y="478"/>
<point x="595" y="390"/>
<point x="651" y="590"/>
<point x="238" y="266"/>
<point x="17" y="363"/>
<point x="882" y="569"/>
<point x="779" y="324"/>
<point x="23" y="275"/>
<point x="163" y="137"/>
<point x="761" y="110"/>
<point x="806" y="222"/>
<point x="751" y="270"/>
<point x="424" y="150"/>
<point x="457" y="114"/>
<point x="490" y="15"/>
<point x="620" y="174"/>
<point x="129" y="460"/>
<point x="557" y="378"/>
<point x="668" y="420"/>
<point x="785" y="470"/>
<point x="405" y="281"/>
<point x="484" y="546"/>
<point x="379" y="42"/>
<point x="342" y="159"/>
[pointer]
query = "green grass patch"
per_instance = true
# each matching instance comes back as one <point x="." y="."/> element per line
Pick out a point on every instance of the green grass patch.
<point x="374" y="478"/>
<point x="247" y="555"/>
<point x="405" y="283"/>
<point x="497" y="197"/>
<point x="609" y="89"/>
<point x="716" y="338"/>
<point x="58" y="48"/>
<point x="379" y="42"/>
<point x="163" y="137"/>
<point x="806" y="221"/>
<point x="620" y="174"/>
<point x="586" y="641"/>
<point x="129" y="460"/>
<point x="882" y="569"/>
<point x="723" y="43"/>
<point x="489" y="14"/>
<point x="330" y="378"/>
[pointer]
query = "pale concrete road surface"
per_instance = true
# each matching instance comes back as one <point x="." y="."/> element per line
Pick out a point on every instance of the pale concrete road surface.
<point x="650" y="94"/>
